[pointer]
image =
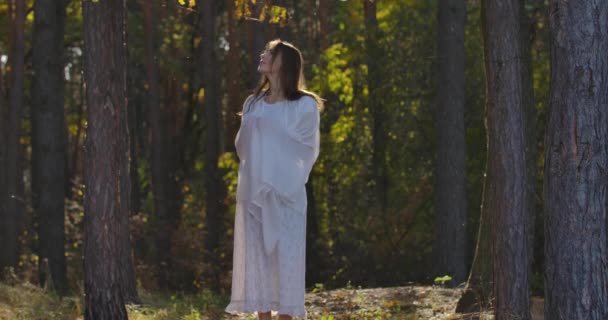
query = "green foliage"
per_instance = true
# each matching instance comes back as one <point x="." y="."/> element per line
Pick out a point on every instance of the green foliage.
<point x="443" y="280"/>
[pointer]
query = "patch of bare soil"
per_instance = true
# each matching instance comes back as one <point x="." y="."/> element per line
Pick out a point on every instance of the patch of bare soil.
<point x="403" y="303"/>
<point x="396" y="303"/>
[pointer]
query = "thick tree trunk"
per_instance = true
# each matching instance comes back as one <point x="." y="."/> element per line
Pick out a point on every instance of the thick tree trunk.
<point x="11" y="202"/>
<point x="500" y="275"/>
<point x="49" y="150"/>
<point x="507" y="105"/>
<point x="576" y="158"/>
<point x="214" y="188"/>
<point x="450" y="196"/>
<point x="109" y="277"/>
<point x="379" y="173"/>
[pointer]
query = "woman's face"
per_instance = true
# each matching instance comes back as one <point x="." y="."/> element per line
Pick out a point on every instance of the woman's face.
<point x="269" y="63"/>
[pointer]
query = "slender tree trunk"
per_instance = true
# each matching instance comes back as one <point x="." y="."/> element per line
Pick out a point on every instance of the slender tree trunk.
<point x="11" y="216"/>
<point x="380" y="177"/>
<point x="256" y="33"/>
<point x="324" y="26"/>
<point x="508" y="103"/>
<point x="49" y="141"/>
<point x="576" y="163"/>
<point x="3" y="161"/>
<point x="107" y="254"/>
<point x="214" y="188"/>
<point x="75" y="164"/>
<point x="160" y="168"/>
<point x="233" y="79"/>
<point x="477" y="295"/>
<point x="450" y="196"/>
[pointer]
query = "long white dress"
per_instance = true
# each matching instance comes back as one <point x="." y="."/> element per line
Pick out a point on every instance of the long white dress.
<point x="277" y="145"/>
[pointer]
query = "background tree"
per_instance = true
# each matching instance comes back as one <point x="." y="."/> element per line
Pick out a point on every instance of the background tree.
<point x="163" y="155"/>
<point x="576" y="155"/>
<point x="450" y="247"/>
<point x="49" y="140"/>
<point x="107" y="253"/>
<point x="380" y="177"/>
<point x="214" y="191"/>
<point x="12" y="201"/>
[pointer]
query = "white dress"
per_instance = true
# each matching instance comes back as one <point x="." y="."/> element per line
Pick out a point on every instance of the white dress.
<point x="277" y="145"/>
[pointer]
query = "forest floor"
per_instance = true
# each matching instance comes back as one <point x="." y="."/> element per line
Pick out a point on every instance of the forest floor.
<point x="29" y="302"/>
<point x="411" y="302"/>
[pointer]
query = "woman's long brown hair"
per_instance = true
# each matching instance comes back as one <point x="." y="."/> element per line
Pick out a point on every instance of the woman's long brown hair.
<point x="291" y="74"/>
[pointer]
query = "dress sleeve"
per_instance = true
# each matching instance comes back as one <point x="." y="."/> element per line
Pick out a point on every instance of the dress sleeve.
<point x="305" y="130"/>
<point x="238" y="142"/>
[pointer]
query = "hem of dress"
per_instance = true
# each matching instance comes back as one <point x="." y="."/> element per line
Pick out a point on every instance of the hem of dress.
<point x="264" y="306"/>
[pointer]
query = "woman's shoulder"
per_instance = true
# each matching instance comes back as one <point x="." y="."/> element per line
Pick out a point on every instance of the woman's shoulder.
<point x="308" y="102"/>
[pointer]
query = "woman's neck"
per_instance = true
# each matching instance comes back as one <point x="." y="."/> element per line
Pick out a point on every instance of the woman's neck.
<point x="275" y="92"/>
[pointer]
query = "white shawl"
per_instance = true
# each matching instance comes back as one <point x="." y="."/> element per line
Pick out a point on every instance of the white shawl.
<point x="277" y="145"/>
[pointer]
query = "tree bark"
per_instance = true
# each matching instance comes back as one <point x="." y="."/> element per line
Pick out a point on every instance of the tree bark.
<point x="233" y="79"/>
<point x="576" y="158"/>
<point x="109" y="276"/>
<point x="11" y="202"/>
<point x="501" y="272"/>
<point x="508" y="103"/>
<point x="324" y="25"/>
<point x="256" y="35"/>
<point x="214" y="188"/>
<point x="379" y="168"/>
<point x="49" y="138"/>
<point x="450" y="191"/>
<point x="162" y="168"/>
<point x="3" y="161"/>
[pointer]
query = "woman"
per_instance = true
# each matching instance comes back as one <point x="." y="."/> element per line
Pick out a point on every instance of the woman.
<point x="277" y="145"/>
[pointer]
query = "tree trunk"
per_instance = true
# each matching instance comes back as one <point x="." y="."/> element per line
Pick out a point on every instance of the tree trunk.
<point x="507" y="103"/>
<point x="11" y="215"/>
<point x="324" y="26"/>
<point x="256" y="35"/>
<point x="233" y="79"/>
<point x="450" y="195"/>
<point x="49" y="150"/>
<point x="214" y="188"/>
<point x="380" y="177"/>
<point x="3" y="161"/>
<point x="161" y="170"/>
<point x="576" y="158"/>
<point x="501" y="271"/>
<point x="107" y="254"/>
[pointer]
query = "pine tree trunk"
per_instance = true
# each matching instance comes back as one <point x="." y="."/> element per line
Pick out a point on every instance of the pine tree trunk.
<point x="507" y="105"/>
<point x="159" y="156"/>
<point x="3" y="161"/>
<point x="214" y="188"/>
<point x="49" y="150"/>
<point x="499" y="40"/>
<point x="450" y="197"/>
<point x="379" y="173"/>
<point x="11" y="202"/>
<point x="109" y="276"/>
<point x="576" y="163"/>
<point x="324" y="25"/>
<point x="234" y="97"/>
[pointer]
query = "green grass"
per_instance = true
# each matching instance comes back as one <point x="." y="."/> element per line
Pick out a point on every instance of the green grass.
<point x="28" y="302"/>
